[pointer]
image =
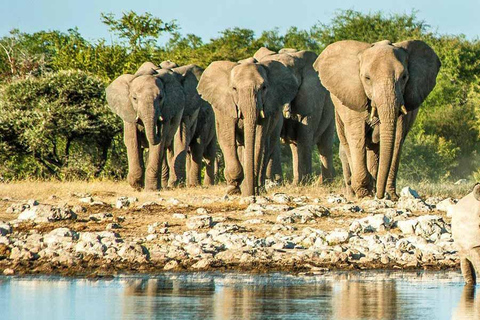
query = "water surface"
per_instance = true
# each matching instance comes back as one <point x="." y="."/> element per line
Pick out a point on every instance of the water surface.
<point x="335" y="295"/>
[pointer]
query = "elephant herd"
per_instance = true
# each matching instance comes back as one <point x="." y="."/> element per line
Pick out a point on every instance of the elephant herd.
<point x="173" y="116"/>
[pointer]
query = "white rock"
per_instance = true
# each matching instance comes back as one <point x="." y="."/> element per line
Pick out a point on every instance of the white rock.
<point x="202" y="211"/>
<point x="335" y="198"/>
<point x="337" y="236"/>
<point x="407" y="226"/>
<point x="409" y="193"/>
<point x="199" y="222"/>
<point x="281" y="198"/>
<point x="179" y="216"/>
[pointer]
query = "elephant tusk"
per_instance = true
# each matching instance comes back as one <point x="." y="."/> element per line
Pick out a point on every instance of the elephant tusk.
<point x="287" y="111"/>
<point x="161" y="118"/>
<point x="373" y="112"/>
<point x="262" y="114"/>
<point x="403" y="109"/>
<point x="137" y="118"/>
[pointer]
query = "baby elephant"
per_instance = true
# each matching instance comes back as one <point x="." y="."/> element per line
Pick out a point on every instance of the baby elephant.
<point x="466" y="233"/>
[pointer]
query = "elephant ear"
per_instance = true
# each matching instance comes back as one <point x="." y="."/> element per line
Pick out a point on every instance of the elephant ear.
<point x="262" y="53"/>
<point x="214" y="87"/>
<point x="118" y="98"/>
<point x="174" y="96"/>
<point x="339" y="69"/>
<point x="476" y="191"/>
<point x="423" y="67"/>
<point x="282" y="86"/>
<point x="147" y="68"/>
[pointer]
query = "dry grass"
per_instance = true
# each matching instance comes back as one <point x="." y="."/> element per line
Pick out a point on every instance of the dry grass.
<point x="108" y="190"/>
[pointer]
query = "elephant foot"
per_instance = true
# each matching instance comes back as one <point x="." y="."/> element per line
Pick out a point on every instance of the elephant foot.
<point x="233" y="190"/>
<point x="392" y="195"/>
<point x="135" y="182"/>
<point x="362" y="193"/>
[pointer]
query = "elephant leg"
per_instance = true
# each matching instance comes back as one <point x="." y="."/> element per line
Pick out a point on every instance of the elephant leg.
<point x="189" y="166"/>
<point x="355" y="135"/>
<point x="372" y="164"/>
<point x="196" y="156"/>
<point x="344" y="154"/>
<point x="179" y="154"/>
<point x="468" y="271"/>
<point x="210" y="156"/>
<point x="273" y="169"/>
<point x="325" y="149"/>
<point x="135" y="156"/>
<point x="226" y="139"/>
<point x="166" y="167"/>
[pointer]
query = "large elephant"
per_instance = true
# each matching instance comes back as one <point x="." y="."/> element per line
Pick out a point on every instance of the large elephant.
<point x="466" y="233"/>
<point x="307" y="121"/>
<point x="151" y="104"/>
<point x="247" y="98"/>
<point x="376" y="89"/>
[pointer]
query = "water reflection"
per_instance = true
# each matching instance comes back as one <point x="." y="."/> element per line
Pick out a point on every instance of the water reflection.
<point x="233" y="296"/>
<point x="469" y="305"/>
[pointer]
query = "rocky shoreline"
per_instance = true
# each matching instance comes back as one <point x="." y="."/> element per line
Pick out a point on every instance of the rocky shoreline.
<point x="277" y="232"/>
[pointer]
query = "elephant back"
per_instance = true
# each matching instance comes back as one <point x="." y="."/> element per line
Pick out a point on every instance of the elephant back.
<point x="190" y="76"/>
<point x="466" y="223"/>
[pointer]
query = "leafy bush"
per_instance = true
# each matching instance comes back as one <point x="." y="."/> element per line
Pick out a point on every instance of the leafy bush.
<point x="57" y="125"/>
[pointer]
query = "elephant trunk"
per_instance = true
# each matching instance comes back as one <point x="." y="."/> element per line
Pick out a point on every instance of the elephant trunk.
<point x="387" y="112"/>
<point x="249" y="110"/>
<point x="150" y="118"/>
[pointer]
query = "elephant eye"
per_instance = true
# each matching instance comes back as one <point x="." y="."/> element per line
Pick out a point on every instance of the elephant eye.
<point x="367" y="78"/>
<point x="234" y="88"/>
<point x="404" y="77"/>
<point x="134" y="98"/>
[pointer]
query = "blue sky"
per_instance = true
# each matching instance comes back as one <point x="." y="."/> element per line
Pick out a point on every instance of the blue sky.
<point x="207" y="17"/>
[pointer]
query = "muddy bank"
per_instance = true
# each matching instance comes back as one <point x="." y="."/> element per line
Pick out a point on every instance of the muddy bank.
<point x="88" y="235"/>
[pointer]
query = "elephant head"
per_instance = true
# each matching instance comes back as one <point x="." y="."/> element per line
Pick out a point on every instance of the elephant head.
<point x="149" y="97"/>
<point x="250" y="91"/>
<point x="384" y="78"/>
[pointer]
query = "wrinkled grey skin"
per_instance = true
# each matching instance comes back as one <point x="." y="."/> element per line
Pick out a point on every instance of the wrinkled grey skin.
<point x="376" y="89"/>
<point x="151" y="104"/>
<point x="466" y="233"/>
<point x="174" y="172"/>
<point x="247" y="98"/>
<point x="202" y="148"/>
<point x="308" y="121"/>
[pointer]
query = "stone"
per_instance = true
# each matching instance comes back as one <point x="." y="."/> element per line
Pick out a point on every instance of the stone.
<point x="202" y="264"/>
<point x="335" y="198"/>
<point x="171" y="265"/>
<point x="199" y="222"/>
<point x="133" y="252"/>
<point x="409" y="193"/>
<point x="125" y="202"/>
<point x="47" y="213"/>
<point x="17" y="208"/>
<point x="373" y="223"/>
<point x="407" y="226"/>
<point x="112" y="226"/>
<point x="446" y="206"/>
<point x="375" y="204"/>
<point x="202" y="211"/>
<point x="281" y="198"/>
<point x="5" y="228"/>
<point x="337" y="236"/>
<point x="179" y="216"/>
<point x="8" y="272"/>
<point x="413" y="204"/>
<point x="102" y="216"/>
<point x="158" y="227"/>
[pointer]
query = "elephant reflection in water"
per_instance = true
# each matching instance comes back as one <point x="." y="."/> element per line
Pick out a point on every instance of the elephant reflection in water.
<point x="181" y="293"/>
<point x="469" y="305"/>
<point x="365" y="300"/>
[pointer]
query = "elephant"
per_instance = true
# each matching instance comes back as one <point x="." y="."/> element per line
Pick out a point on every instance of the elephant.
<point x="307" y="121"/>
<point x="466" y="233"/>
<point x="376" y="90"/>
<point x="202" y="147"/>
<point x="150" y="103"/>
<point x="174" y="170"/>
<point x="247" y="99"/>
